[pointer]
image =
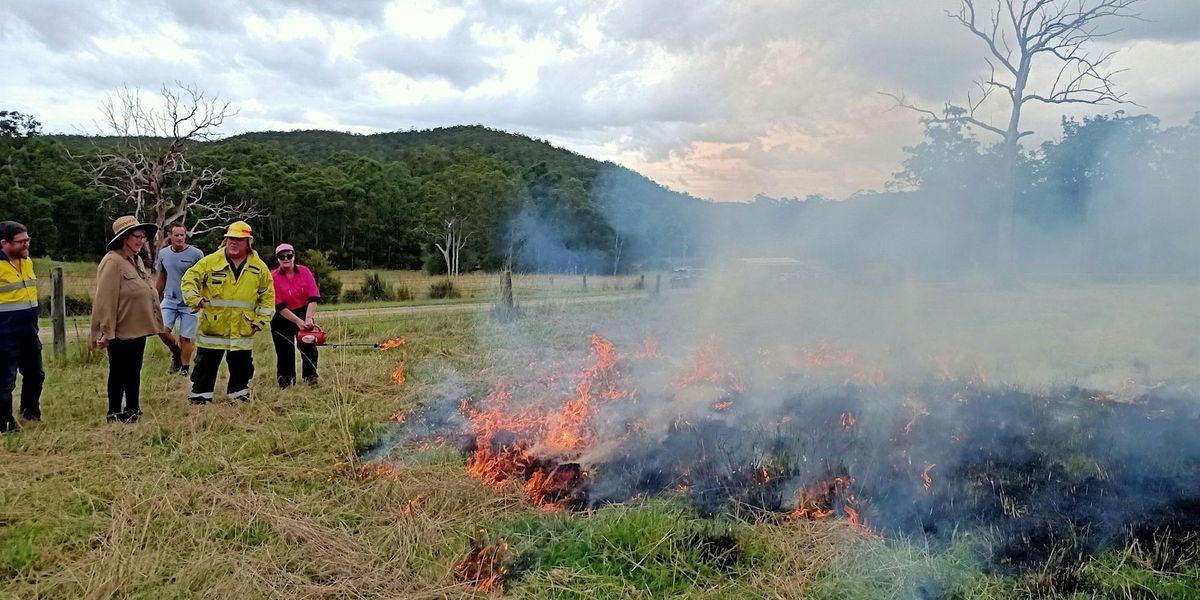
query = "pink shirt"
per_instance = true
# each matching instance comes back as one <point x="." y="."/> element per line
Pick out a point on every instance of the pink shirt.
<point x="295" y="291"/>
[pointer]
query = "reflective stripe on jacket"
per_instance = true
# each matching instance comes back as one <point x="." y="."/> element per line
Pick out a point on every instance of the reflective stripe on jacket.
<point x="235" y="306"/>
<point x="18" y="297"/>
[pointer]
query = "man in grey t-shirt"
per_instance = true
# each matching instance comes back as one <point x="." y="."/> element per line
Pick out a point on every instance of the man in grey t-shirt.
<point x="171" y="263"/>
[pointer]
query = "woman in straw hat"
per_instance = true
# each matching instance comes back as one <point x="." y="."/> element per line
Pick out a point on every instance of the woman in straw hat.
<point x="124" y="312"/>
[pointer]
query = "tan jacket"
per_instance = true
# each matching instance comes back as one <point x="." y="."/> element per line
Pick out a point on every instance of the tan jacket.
<point x="125" y="305"/>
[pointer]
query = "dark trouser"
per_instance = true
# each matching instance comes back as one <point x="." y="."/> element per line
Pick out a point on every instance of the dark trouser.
<point x="283" y="335"/>
<point x="20" y="353"/>
<point x="204" y="374"/>
<point x="125" y="376"/>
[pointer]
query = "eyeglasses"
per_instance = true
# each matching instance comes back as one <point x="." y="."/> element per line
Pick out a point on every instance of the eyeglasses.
<point x="24" y="241"/>
<point x="286" y="256"/>
<point x="138" y="236"/>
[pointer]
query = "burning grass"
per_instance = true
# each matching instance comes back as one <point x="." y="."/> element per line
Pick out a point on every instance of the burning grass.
<point x="929" y="462"/>
<point x="336" y="491"/>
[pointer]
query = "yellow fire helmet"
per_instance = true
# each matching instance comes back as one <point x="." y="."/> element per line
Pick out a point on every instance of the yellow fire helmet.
<point x="239" y="229"/>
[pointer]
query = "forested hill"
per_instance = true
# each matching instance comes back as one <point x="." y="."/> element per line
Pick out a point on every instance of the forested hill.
<point x="390" y="199"/>
<point x="316" y="145"/>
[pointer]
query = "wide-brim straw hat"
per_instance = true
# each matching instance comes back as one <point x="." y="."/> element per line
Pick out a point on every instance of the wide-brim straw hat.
<point x="123" y="226"/>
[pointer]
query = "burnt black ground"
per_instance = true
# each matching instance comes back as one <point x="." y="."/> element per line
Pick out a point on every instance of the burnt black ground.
<point x="1051" y="478"/>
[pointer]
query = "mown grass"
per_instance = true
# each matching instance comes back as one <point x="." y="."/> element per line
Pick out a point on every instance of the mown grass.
<point x="273" y="498"/>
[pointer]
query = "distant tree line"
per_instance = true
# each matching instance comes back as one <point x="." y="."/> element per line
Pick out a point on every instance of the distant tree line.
<point x="379" y="201"/>
<point x="1115" y="194"/>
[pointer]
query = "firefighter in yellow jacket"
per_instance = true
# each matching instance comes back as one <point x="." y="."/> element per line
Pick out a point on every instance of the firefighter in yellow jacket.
<point x="233" y="290"/>
<point x="20" y="347"/>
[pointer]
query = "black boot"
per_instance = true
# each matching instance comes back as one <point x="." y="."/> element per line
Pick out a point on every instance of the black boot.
<point x="9" y="425"/>
<point x="176" y="360"/>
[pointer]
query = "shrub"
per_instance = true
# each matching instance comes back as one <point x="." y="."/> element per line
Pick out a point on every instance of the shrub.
<point x="403" y="293"/>
<point x="323" y="272"/>
<point x="443" y="289"/>
<point x="375" y="288"/>
<point x="433" y="263"/>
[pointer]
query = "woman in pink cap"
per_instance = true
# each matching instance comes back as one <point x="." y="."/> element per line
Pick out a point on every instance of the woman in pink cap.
<point x="296" y="298"/>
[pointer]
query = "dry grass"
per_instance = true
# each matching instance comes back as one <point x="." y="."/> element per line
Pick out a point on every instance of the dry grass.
<point x="271" y="499"/>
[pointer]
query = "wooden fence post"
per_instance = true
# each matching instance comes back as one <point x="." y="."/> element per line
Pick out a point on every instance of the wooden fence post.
<point x="585" y="282"/>
<point x="657" y="283"/>
<point x="506" y="291"/>
<point x="58" y="312"/>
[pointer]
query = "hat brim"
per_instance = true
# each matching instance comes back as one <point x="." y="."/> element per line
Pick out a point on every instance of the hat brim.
<point x="151" y="230"/>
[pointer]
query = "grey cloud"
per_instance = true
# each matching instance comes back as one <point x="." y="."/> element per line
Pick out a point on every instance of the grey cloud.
<point x="212" y="15"/>
<point x="303" y="62"/>
<point x="216" y="14"/>
<point x="364" y="10"/>
<point x="671" y="24"/>
<point x="108" y="73"/>
<point x="456" y="58"/>
<point x="1163" y="20"/>
<point x="531" y="19"/>
<point x="59" y="24"/>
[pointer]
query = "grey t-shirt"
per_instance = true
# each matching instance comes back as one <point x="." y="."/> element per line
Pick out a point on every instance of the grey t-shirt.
<point x="174" y="264"/>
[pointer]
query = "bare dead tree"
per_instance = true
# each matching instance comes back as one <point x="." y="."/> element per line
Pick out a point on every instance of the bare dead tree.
<point x="149" y="170"/>
<point x="454" y="237"/>
<point x="1021" y="35"/>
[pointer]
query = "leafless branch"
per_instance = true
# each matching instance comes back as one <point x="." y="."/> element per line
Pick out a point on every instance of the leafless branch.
<point x="947" y="116"/>
<point x="149" y="170"/>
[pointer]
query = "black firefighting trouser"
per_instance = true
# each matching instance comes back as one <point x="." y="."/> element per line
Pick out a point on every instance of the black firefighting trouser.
<point x="204" y="374"/>
<point x="20" y="353"/>
<point x="283" y="335"/>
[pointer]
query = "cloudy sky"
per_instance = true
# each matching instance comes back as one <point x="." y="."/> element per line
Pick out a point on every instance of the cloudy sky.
<point x="720" y="99"/>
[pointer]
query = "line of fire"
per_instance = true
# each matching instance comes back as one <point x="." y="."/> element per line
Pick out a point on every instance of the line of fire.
<point x="823" y="432"/>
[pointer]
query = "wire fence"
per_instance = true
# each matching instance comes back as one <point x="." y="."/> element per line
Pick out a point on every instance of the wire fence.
<point x="80" y="284"/>
<point x="480" y="285"/>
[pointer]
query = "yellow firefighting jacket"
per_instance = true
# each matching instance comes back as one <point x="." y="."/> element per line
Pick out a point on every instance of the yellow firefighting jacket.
<point x="235" y="305"/>
<point x="18" y="297"/>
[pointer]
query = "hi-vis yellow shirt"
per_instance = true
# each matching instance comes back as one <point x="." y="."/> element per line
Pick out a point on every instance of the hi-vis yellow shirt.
<point x="18" y="297"/>
<point x="235" y="306"/>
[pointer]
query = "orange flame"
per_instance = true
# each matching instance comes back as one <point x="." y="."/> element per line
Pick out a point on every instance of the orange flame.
<point x="565" y="431"/>
<point x="483" y="566"/>
<point x="709" y="368"/>
<point x="649" y="348"/>
<point x="925" y="476"/>
<point x="392" y="343"/>
<point x="722" y="405"/>
<point x="399" y="416"/>
<point x="411" y="506"/>
<point x="826" y="356"/>
<point x="848" y="420"/>
<point x="398" y="374"/>
<point x="816" y="501"/>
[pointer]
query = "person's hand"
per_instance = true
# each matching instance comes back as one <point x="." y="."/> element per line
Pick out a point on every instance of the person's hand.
<point x="309" y="325"/>
<point x="255" y="328"/>
<point x="100" y="341"/>
<point x="200" y="306"/>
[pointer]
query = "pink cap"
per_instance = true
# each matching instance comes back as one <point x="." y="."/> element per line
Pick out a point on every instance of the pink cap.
<point x="284" y="247"/>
